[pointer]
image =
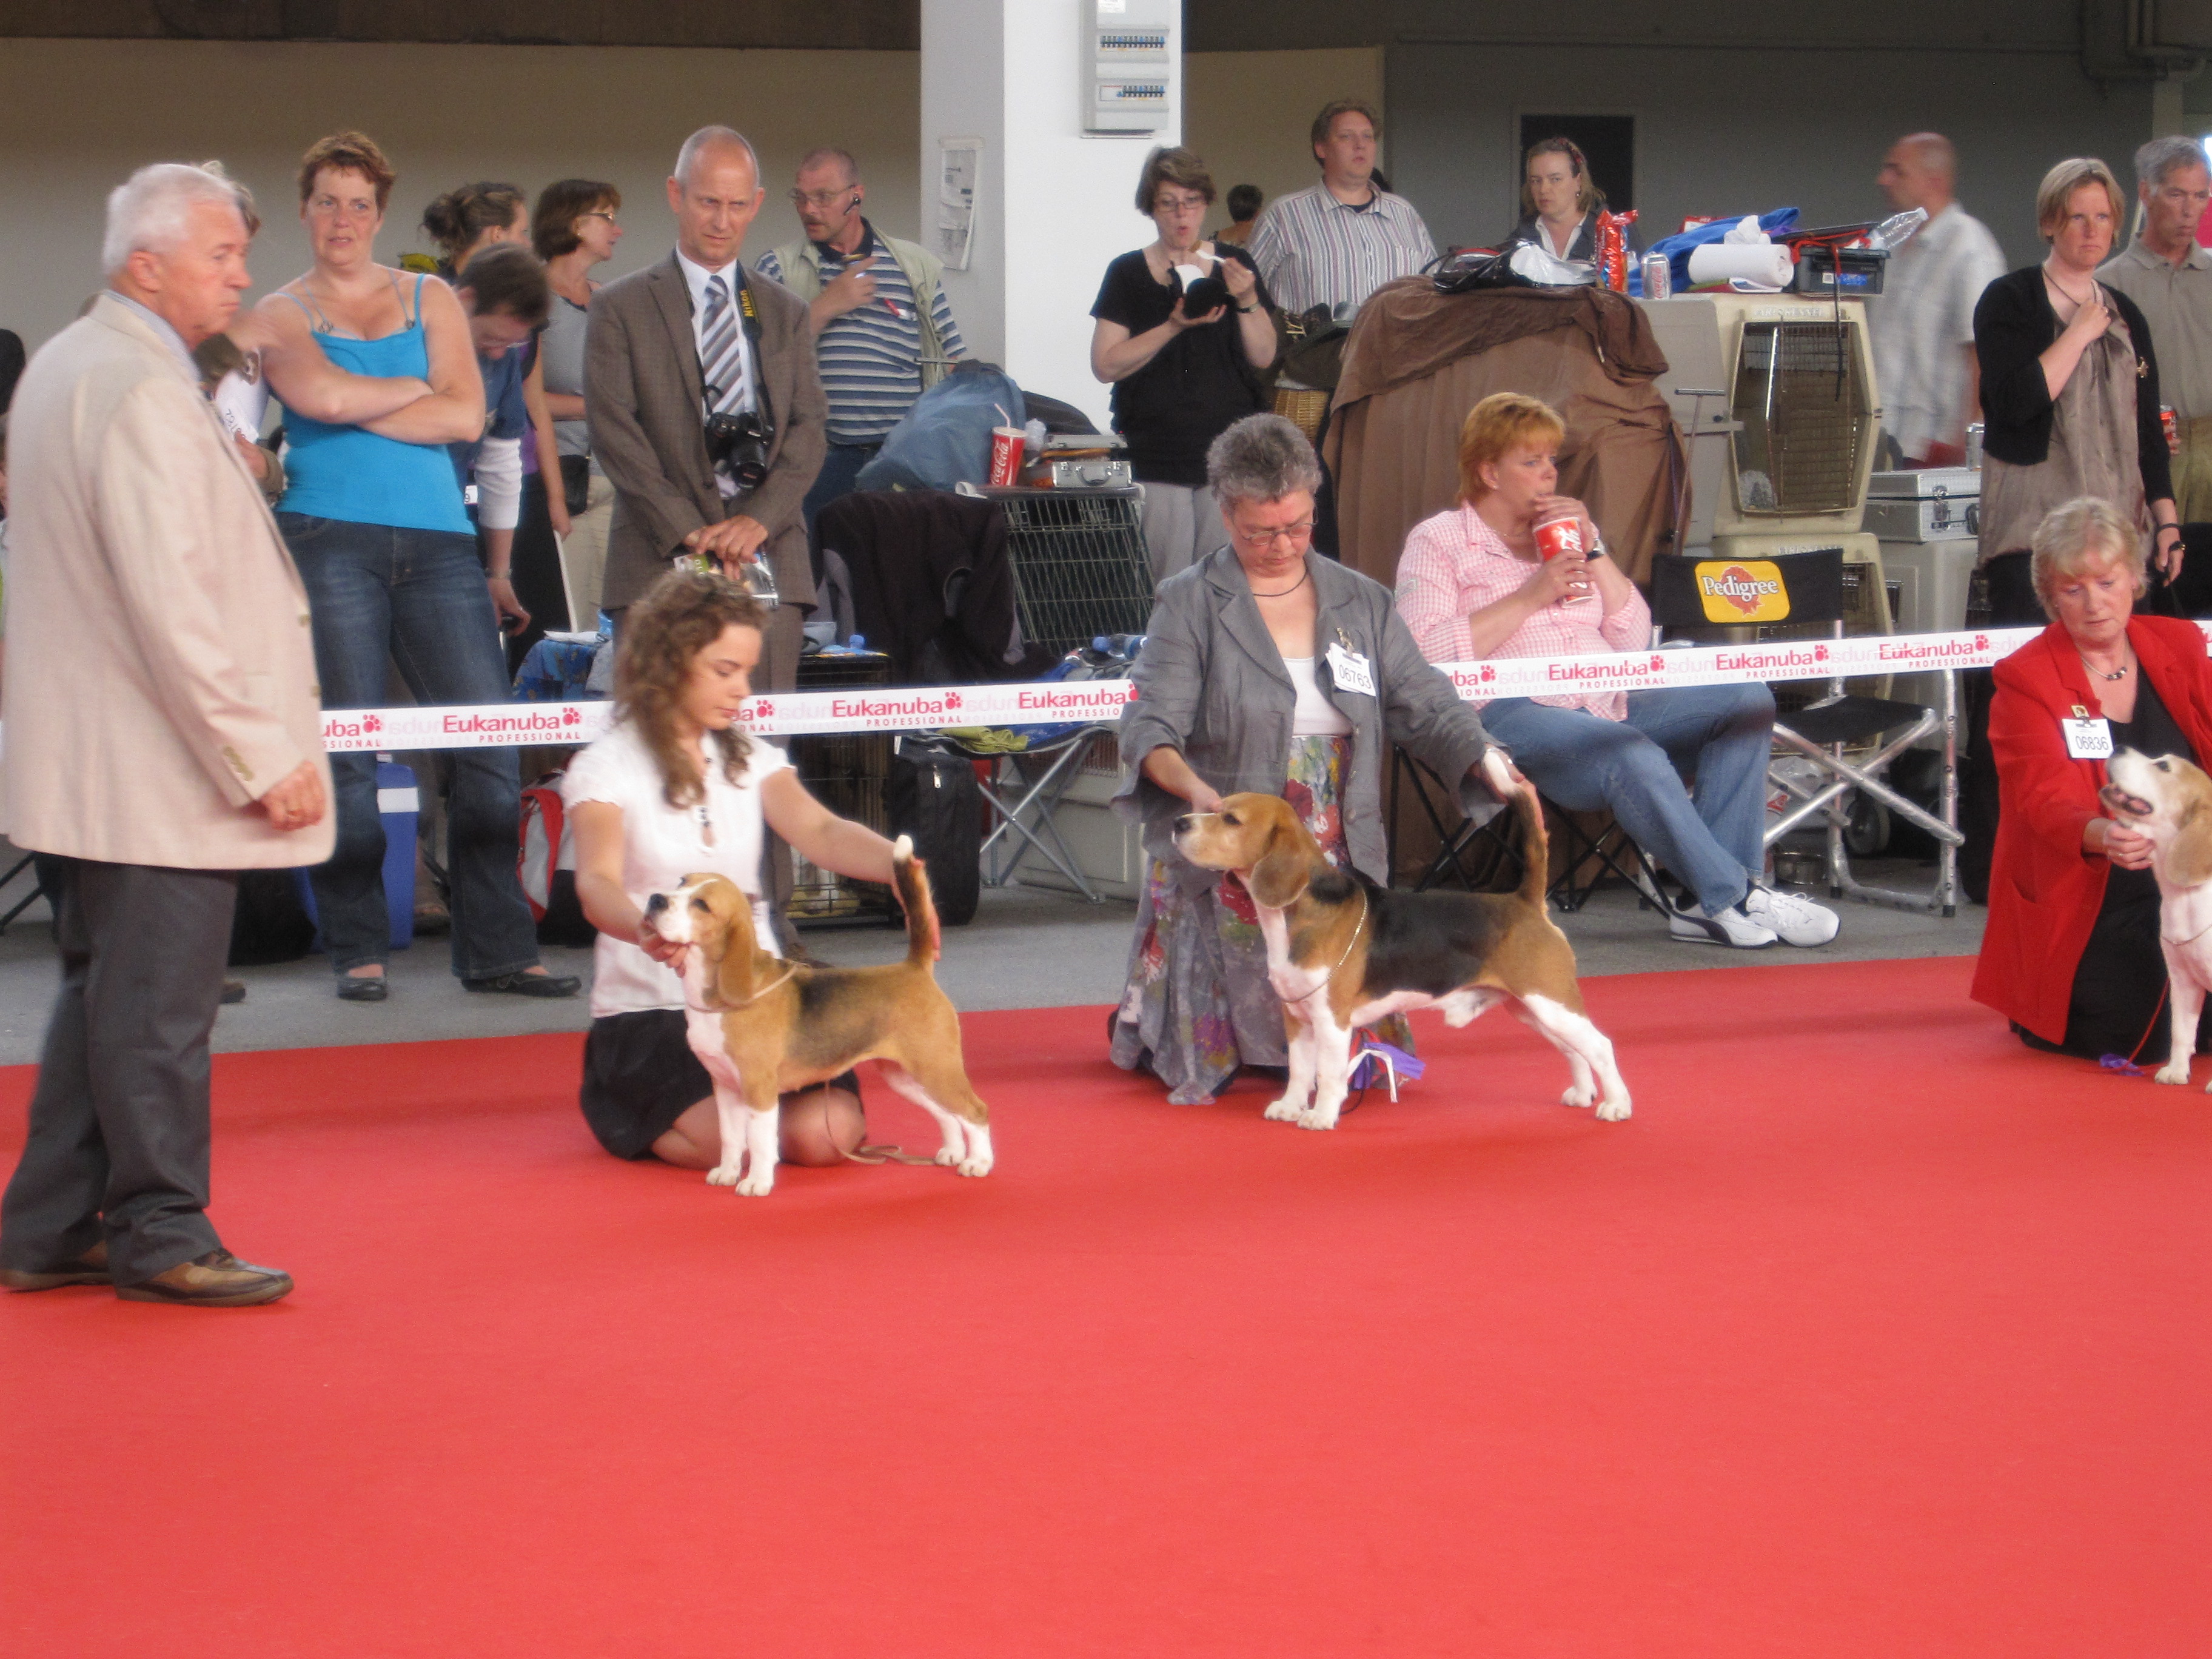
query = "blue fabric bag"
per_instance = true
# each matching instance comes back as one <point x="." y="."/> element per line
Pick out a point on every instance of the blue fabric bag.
<point x="1677" y="247"/>
<point x="945" y="439"/>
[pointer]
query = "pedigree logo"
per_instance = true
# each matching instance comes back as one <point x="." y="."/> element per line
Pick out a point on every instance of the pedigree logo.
<point x="1742" y="591"/>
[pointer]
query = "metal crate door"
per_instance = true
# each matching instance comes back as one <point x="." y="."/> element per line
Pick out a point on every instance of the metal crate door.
<point x="1078" y="563"/>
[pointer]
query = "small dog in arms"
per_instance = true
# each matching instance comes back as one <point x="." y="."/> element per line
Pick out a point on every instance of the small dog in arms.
<point x="763" y="1026"/>
<point x="2171" y="802"/>
<point x="1342" y="953"/>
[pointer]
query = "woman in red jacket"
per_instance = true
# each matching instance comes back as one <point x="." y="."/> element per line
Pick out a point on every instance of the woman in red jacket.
<point x="2071" y="952"/>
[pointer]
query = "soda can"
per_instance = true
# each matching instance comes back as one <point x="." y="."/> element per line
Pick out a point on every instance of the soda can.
<point x="2166" y="418"/>
<point x="1658" y="276"/>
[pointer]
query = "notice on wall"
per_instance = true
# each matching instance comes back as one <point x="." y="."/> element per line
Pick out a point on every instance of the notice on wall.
<point x="959" y="168"/>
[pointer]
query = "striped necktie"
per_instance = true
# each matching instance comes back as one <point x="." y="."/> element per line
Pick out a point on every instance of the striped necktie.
<point x="721" y="356"/>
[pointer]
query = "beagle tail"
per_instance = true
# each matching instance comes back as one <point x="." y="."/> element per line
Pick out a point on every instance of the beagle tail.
<point x="922" y="937"/>
<point x="1535" y="847"/>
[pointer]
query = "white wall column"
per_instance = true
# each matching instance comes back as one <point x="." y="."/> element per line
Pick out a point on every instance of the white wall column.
<point x="1055" y="204"/>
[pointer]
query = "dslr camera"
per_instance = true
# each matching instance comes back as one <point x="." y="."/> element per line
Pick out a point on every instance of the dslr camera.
<point x="740" y="442"/>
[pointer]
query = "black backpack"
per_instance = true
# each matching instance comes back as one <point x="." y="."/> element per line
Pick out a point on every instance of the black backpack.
<point x="932" y="796"/>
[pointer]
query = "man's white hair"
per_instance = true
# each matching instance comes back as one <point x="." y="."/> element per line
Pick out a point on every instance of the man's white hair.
<point x="152" y="208"/>
<point x="713" y="137"/>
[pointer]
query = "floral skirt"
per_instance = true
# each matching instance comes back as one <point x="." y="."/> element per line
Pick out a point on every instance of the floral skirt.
<point x="1198" y="1004"/>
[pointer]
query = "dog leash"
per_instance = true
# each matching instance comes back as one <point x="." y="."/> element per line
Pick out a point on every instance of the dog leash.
<point x="1366" y="907"/>
<point x="731" y="1007"/>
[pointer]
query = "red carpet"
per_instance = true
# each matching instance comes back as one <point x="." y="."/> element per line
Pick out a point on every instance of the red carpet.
<point x="1872" y="1334"/>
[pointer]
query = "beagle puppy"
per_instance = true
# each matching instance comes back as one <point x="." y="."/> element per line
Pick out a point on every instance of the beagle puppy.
<point x="2171" y="802"/>
<point x="1342" y="953"/>
<point x="763" y="1026"/>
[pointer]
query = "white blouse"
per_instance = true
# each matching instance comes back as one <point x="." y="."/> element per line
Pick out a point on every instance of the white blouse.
<point x="661" y="845"/>
<point x="1315" y="715"/>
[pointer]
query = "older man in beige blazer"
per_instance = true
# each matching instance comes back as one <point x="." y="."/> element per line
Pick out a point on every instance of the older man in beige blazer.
<point x="163" y="733"/>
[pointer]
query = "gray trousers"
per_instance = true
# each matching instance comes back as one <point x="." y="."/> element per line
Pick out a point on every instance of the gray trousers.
<point x="1182" y="527"/>
<point x="117" y="1145"/>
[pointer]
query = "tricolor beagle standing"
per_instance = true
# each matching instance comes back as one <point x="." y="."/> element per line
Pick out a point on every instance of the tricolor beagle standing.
<point x="1342" y="953"/>
<point x="2171" y="802"/>
<point x="763" y="1026"/>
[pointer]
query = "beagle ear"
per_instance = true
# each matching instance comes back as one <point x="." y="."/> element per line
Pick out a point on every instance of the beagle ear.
<point x="730" y="952"/>
<point x="2189" y="863"/>
<point x="1286" y="868"/>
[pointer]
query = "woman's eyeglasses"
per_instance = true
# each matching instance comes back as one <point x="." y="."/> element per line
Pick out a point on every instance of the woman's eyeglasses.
<point x="1290" y="534"/>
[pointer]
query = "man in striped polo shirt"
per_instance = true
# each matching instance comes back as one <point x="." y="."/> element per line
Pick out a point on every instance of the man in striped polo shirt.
<point x="883" y="330"/>
<point x="1337" y="243"/>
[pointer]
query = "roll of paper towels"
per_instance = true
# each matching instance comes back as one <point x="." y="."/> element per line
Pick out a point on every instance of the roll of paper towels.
<point x="1719" y="262"/>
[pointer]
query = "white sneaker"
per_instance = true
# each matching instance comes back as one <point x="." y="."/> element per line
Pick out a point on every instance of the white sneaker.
<point x="1795" y="920"/>
<point x="1732" y="926"/>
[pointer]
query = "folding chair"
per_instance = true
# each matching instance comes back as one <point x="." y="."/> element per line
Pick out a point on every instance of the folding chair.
<point x="1615" y="855"/>
<point x="24" y="903"/>
<point x="1851" y="739"/>
<point x="1025" y="788"/>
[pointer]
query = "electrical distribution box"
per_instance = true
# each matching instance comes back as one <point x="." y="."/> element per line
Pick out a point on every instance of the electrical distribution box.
<point x="1129" y="56"/>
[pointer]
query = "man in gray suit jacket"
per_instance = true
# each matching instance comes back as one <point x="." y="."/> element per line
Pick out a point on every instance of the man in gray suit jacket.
<point x="164" y="732"/>
<point x="667" y="347"/>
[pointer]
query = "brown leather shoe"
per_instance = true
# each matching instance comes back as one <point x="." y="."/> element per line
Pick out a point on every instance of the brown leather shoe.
<point x="91" y="1268"/>
<point x="217" y="1280"/>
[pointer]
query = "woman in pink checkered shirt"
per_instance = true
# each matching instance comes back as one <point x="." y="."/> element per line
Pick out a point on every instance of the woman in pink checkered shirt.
<point x="1472" y="583"/>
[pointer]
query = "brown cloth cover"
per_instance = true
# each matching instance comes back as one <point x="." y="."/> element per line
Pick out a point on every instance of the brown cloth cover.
<point x="1417" y="360"/>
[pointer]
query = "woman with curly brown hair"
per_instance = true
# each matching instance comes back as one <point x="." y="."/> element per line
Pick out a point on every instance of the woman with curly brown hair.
<point x="675" y="788"/>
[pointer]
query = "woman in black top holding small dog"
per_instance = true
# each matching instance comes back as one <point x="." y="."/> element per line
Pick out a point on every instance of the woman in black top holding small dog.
<point x="1183" y="337"/>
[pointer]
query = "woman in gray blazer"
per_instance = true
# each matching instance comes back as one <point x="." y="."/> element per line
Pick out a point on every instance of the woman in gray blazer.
<point x="1269" y="667"/>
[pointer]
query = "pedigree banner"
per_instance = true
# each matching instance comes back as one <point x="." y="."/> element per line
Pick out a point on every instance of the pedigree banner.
<point x="928" y="708"/>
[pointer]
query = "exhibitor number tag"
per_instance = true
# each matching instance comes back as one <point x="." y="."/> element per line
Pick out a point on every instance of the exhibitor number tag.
<point x="2087" y="738"/>
<point x="1349" y="670"/>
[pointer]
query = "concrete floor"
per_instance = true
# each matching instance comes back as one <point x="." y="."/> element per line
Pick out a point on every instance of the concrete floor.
<point x="1025" y="949"/>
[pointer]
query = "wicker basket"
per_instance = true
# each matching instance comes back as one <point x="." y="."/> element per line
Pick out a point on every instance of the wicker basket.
<point x="1302" y="408"/>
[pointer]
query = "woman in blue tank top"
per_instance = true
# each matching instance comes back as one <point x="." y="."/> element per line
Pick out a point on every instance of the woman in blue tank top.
<point x="377" y="374"/>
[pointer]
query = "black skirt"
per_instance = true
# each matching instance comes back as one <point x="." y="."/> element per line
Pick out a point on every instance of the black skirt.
<point x="640" y="1076"/>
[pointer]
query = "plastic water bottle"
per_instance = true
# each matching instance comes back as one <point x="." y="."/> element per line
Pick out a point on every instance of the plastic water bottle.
<point x="1118" y="647"/>
<point x="1895" y="232"/>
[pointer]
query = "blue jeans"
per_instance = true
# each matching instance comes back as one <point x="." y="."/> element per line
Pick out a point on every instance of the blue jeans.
<point x="1711" y="836"/>
<point x="841" y="469"/>
<point x="416" y="597"/>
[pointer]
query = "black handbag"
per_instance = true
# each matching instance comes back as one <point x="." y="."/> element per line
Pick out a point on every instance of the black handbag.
<point x="576" y="483"/>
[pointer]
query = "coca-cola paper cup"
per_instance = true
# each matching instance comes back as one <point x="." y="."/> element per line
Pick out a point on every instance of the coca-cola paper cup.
<point x="1005" y="455"/>
<point x="1560" y="536"/>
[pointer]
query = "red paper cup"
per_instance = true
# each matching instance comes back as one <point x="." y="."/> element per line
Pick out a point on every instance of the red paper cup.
<point x="1560" y="536"/>
<point x="1005" y="455"/>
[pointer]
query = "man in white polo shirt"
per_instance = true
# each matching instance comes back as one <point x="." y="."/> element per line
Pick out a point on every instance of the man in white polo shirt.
<point x="1923" y="323"/>
<point x="2169" y="277"/>
<point x="1337" y="243"/>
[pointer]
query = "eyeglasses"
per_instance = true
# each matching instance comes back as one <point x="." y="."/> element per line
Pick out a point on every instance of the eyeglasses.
<point x="820" y="198"/>
<point x="597" y="213"/>
<point x="2199" y="199"/>
<point x="1292" y="534"/>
